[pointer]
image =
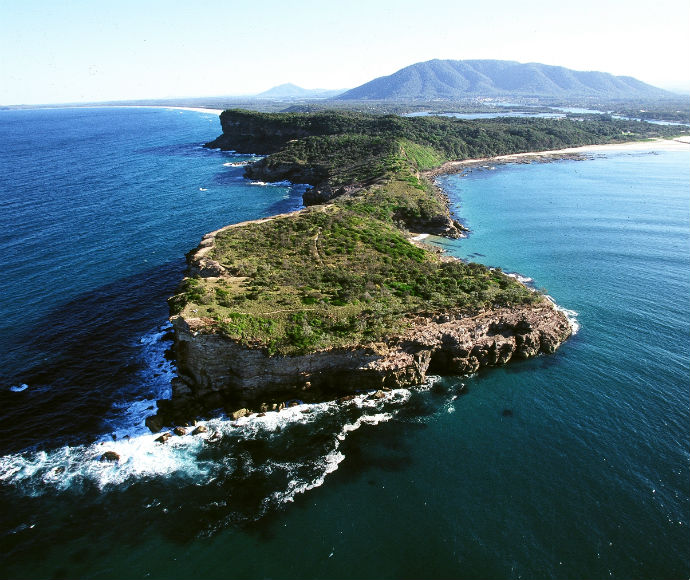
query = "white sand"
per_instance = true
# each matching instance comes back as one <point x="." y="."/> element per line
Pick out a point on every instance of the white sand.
<point x="196" y="109"/>
<point x="679" y="144"/>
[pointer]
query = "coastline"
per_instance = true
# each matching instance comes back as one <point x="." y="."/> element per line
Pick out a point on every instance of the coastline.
<point x="216" y="112"/>
<point x="194" y="109"/>
<point x="230" y="357"/>
<point x="677" y="144"/>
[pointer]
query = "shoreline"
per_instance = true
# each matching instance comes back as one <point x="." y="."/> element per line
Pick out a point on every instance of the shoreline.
<point x="451" y="167"/>
<point x="172" y="107"/>
<point x="194" y="109"/>
<point x="223" y="363"/>
<point x="578" y="153"/>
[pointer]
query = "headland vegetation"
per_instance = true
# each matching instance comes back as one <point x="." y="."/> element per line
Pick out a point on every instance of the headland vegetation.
<point x="339" y="296"/>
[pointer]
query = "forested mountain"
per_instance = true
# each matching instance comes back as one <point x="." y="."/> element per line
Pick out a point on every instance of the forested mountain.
<point x="457" y="79"/>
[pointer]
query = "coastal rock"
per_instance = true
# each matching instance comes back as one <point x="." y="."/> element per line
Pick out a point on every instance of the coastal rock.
<point x="154" y="423"/>
<point x="164" y="437"/>
<point x="240" y="413"/>
<point x="246" y="132"/>
<point x="110" y="456"/>
<point x="213" y="368"/>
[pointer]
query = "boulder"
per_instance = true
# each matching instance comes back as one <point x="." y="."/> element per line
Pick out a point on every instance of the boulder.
<point x="240" y="413"/>
<point x="164" y="437"/>
<point x="154" y="423"/>
<point x="110" y="456"/>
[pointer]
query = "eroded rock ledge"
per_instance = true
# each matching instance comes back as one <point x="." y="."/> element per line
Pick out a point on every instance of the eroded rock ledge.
<point x="215" y="372"/>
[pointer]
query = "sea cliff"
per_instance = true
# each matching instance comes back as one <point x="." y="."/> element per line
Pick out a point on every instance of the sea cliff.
<point x="338" y="297"/>
<point x="216" y="371"/>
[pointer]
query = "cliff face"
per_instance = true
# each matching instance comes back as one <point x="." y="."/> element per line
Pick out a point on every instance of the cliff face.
<point x="216" y="372"/>
<point x="244" y="132"/>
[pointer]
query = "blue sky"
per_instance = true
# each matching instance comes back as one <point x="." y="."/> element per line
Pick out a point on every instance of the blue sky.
<point x="62" y="51"/>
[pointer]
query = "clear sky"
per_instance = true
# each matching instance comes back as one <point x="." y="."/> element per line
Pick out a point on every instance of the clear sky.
<point x="66" y="51"/>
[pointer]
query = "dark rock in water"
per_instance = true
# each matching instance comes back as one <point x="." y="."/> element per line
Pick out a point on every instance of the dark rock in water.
<point x="164" y="437"/>
<point x="215" y="437"/>
<point x="507" y="413"/>
<point x="154" y="423"/>
<point x="114" y="436"/>
<point x="180" y="431"/>
<point x="200" y="429"/>
<point x="61" y="469"/>
<point x="110" y="456"/>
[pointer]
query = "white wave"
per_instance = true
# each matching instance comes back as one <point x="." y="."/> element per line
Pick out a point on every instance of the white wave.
<point x="156" y="335"/>
<point x="271" y="183"/>
<point x="138" y="456"/>
<point x="571" y="315"/>
<point x="327" y="464"/>
<point x="127" y="415"/>
<point x="431" y="380"/>
<point x="70" y="467"/>
<point x="520" y="278"/>
<point x="19" y="388"/>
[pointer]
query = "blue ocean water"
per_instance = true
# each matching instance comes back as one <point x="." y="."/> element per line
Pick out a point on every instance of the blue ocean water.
<point x="99" y="207"/>
<point x="587" y="476"/>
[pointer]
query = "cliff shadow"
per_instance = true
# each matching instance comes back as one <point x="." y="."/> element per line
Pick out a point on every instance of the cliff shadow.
<point x="81" y="357"/>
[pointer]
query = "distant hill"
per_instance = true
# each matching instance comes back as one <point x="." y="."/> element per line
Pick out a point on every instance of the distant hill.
<point x="290" y="91"/>
<point x="458" y="79"/>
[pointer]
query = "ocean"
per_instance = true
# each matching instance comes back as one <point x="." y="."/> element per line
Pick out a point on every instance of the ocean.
<point x="572" y="465"/>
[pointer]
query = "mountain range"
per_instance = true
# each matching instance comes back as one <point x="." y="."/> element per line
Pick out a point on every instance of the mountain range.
<point x="459" y="79"/>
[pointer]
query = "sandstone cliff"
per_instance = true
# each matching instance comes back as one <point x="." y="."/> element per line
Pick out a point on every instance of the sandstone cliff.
<point x="215" y="372"/>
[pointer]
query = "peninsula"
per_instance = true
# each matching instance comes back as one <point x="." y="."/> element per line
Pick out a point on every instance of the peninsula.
<point x="340" y="296"/>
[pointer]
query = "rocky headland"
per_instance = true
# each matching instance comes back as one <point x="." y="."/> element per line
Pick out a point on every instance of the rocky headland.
<point x="218" y="372"/>
<point x="339" y="297"/>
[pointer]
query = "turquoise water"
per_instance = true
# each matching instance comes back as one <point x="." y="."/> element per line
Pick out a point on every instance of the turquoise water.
<point x="588" y="476"/>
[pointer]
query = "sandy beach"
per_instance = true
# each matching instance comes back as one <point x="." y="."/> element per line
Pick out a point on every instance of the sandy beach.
<point x="678" y="144"/>
<point x="195" y="109"/>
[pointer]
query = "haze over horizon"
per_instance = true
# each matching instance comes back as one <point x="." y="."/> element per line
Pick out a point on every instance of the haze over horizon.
<point x="86" y="52"/>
